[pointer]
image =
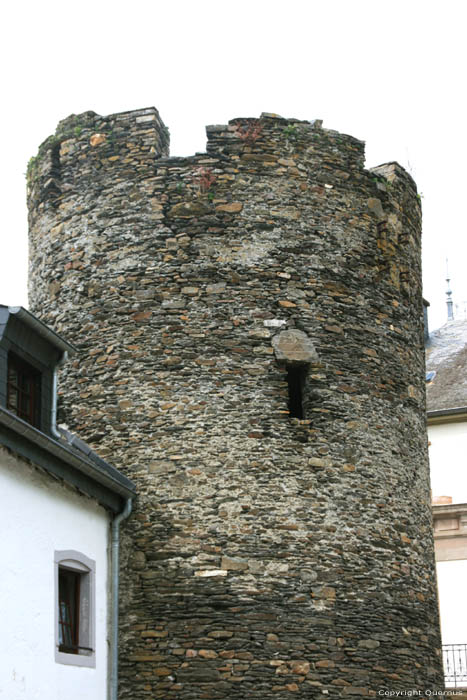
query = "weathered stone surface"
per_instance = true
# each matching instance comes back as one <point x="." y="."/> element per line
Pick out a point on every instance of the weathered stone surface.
<point x="300" y="667"/>
<point x="376" y="208"/>
<point x="209" y="573"/>
<point x="186" y="210"/>
<point x="97" y="139"/>
<point x="234" y="564"/>
<point x="326" y="518"/>
<point x="294" y="347"/>
<point x="231" y="207"/>
<point x="369" y="644"/>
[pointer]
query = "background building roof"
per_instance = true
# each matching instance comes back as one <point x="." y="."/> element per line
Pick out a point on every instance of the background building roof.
<point x="446" y="355"/>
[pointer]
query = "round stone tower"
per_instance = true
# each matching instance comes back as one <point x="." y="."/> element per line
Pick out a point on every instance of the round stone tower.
<point x="249" y="325"/>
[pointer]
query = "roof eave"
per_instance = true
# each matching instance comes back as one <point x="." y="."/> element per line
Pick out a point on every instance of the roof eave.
<point x="108" y="486"/>
<point x="447" y="415"/>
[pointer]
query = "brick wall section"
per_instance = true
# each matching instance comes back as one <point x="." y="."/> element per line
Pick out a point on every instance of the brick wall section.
<point x="267" y="555"/>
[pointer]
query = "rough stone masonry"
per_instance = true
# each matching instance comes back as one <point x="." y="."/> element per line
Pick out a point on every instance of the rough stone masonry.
<point x="249" y="325"/>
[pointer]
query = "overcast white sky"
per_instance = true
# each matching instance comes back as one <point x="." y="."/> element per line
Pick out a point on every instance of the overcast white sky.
<point x="390" y="73"/>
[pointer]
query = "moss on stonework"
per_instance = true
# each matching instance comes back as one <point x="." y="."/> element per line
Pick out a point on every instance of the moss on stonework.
<point x="31" y="169"/>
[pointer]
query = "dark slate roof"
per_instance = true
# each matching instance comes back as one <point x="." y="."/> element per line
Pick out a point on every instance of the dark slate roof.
<point x="34" y="324"/>
<point x="69" y="459"/>
<point x="446" y="354"/>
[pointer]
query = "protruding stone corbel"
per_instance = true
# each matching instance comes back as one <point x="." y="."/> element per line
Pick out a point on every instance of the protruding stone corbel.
<point x="294" y="347"/>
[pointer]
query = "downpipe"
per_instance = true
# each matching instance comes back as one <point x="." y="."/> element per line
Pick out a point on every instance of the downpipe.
<point x="115" y="582"/>
<point x="53" y="417"/>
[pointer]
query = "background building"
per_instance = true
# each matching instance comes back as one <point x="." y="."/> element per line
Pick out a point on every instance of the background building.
<point x="447" y="432"/>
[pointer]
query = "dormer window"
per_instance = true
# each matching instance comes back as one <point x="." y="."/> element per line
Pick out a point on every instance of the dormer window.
<point x="30" y="355"/>
<point x="23" y="390"/>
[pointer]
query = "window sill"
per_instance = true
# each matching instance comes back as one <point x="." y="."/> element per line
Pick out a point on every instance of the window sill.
<point x="86" y="659"/>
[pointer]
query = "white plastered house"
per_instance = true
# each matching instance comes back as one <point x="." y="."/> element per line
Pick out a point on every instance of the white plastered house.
<point x="61" y="510"/>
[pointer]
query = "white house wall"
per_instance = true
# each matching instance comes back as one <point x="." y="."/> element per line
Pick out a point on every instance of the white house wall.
<point x="40" y="516"/>
<point x="452" y="577"/>
<point x="448" y="460"/>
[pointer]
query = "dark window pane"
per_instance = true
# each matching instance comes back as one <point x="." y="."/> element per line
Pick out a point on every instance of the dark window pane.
<point x="23" y="390"/>
<point x="68" y="607"/>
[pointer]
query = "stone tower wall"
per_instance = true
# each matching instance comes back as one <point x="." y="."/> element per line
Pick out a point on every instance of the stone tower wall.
<point x="267" y="554"/>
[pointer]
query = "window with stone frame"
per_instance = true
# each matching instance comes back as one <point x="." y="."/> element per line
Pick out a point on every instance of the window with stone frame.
<point x="74" y="609"/>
